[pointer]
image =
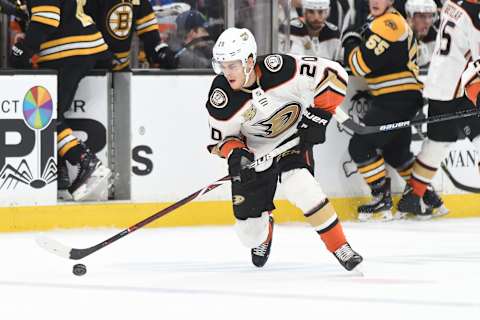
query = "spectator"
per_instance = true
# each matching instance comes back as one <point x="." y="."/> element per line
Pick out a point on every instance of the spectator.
<point x="196" y="47"/>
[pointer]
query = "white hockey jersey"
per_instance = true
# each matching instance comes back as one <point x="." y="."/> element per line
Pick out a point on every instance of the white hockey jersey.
<point x="264" y="116"/>
<point x="327" y="45"/>
<point x="457" y="43"/>
<point x="426" y="47"/>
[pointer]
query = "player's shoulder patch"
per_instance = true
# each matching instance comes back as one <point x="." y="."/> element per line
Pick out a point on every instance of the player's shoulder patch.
<point x="276" y="69"/>
<point x="273" y="62"/>
<point x="330" y="31"/>
<point x="298" y="28"/>
<point x="222" y="101"/>
<point x="391" y="26"/>
<point x="473" y="11"/>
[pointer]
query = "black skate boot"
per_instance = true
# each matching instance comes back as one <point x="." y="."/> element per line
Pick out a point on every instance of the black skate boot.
<point x="380" y="206"/>
<point x="348" y="258"/>
<point x="433" y="200"/>
<point x="413" y="204"/>
<point x="63" y="180"/>
<point x="91" y="173"/>
<point x="260" y="254"/>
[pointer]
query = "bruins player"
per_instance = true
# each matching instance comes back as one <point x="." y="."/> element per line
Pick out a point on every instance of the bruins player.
<point x="384" y="53"/>
<point x="453" y="83"/>
<point x="64" y="38"/>
<point x="255" y="106"/>
<point x="118" y="19"/>
<point x="313" y="35"/>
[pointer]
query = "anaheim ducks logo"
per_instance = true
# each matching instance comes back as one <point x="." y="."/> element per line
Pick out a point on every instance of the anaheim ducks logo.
<point x="119" y="20"/>
<point x="218" y="98"/>
<point x="280" y="121"/>
<point x="237" y="199"/>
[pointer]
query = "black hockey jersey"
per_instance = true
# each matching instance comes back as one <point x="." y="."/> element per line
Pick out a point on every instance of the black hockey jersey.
<point x="387" y="58"/>
<point x="61" y="30"/>
<point x="117" y="19"/>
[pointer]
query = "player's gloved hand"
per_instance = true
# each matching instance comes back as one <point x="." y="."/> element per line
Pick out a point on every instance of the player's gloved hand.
<point x="165" y="57"/>
<point x="351" y="38"/>
<point x="21" y="57"/>
<point x="313" y="125"/>
<point x="238" y="159"/>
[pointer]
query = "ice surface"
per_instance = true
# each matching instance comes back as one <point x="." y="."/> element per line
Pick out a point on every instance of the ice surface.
<point x="412" y="270"/>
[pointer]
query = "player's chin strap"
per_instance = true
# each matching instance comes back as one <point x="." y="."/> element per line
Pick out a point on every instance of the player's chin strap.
<point x="247" y="74"/>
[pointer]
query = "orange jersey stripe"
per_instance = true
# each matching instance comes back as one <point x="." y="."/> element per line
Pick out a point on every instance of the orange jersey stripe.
<point x="328" y="100"/>
<point x="228" y="146"/>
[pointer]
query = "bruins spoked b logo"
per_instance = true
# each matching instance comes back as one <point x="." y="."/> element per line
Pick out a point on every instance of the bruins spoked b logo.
<point x="119" y="20"/>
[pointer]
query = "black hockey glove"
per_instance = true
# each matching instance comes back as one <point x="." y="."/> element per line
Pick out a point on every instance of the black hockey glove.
<point x="313" y="125"/>
<point x="21" y="57"/>
<point x="165" y="57"/>
<point x="237" y="161"/>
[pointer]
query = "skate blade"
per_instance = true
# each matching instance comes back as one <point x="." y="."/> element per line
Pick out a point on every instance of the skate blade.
<point x="381" y="216"/>
<point x="101" y="174"/>
<point x="411" y="216"/>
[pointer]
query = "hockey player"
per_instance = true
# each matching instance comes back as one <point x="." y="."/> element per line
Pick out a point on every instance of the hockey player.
<point x="454" y="70"/>
<point x="65" y="39"/>
<point x="421" y="15"/>
<point x="118" y="19"/>
<point x="384" y="53"/>
<point x="313" y="35"/>
<point x="255" y="105"/>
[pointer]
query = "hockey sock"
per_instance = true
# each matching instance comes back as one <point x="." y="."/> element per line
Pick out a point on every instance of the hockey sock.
<point x="373" y="172"/>
<point x="426" y="165"/>
<point x="68" y="146"/>
<point x="325" y="222"/>
<point x="405" y="170"/>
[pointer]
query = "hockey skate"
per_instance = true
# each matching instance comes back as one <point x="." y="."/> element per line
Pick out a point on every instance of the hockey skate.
<point x="410" y="203"/>
<point x="348" y="258"/>
<point x="379" y="207"/>
<point x="91" y="174"/>
<point x="433" y="200"/>
<point x="260" y="254"/>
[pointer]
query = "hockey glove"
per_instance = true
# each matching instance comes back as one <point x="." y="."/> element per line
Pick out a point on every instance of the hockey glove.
<point x="21" y="57"/>
<point x="313" y="125"/>
<point x="165" y="57"/>
<point x="237" y="162"/>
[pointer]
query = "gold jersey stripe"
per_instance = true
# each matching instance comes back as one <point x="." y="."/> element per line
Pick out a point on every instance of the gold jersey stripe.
<point x="391" y="76"/>
<point x="73" y="53"/>
<point x="64" y="133"/>
<point x="48" y="21"/>
<point x="151" y="28"/>
<point x="150" y="16"/>
<point x="53" y="9"/>
<point x="399" y="88"/>
<point x="72" y="39"/>
<point x="371" y="166"/>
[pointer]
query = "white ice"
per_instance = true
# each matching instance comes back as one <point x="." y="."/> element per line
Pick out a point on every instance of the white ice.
<point x="412" y="270"/>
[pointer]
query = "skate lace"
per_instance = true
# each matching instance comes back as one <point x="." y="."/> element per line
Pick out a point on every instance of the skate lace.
<point x="260" y="250"/>
<point x="344" y="253"/>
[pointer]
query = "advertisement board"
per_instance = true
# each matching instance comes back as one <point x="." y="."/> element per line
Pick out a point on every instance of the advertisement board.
<point x="28" y="168"/>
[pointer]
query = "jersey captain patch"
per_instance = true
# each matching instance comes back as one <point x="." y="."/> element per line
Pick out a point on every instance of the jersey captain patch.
<point x="218" y="98"/>
<point x="274" y="62"/>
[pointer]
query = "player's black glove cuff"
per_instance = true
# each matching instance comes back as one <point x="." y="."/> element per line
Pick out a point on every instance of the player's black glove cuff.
<point x="351" y="39"/>
<point x="313" y="126"/>
<point x="21" y="56"/>
<point x="165" y="56"/>
<point x="238" y="160"/>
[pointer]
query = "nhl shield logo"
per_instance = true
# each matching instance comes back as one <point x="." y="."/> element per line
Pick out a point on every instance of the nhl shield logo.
<point x="274" y="62"/>
<point x="218" y="98"/>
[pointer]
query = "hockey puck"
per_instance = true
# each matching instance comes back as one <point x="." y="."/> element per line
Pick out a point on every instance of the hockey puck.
<point x="79" y="269"/>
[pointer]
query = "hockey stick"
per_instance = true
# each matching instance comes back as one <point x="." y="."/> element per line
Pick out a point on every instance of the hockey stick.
<point x="457" y="183"/>
<point x="64" y="251"/>
<point x="347" y="122"/>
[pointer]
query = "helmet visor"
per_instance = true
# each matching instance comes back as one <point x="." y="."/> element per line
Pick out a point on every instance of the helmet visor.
<point x="228" y="67"/>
